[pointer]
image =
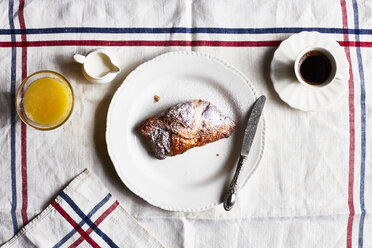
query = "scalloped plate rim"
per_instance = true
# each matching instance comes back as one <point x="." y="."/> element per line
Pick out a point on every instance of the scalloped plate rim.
<point x="133" y="188"/>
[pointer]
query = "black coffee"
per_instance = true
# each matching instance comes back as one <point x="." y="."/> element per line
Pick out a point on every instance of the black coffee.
<point x="315" y="67"/>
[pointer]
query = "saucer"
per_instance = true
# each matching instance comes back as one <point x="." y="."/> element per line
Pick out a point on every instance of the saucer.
<point x="284" y="79"/>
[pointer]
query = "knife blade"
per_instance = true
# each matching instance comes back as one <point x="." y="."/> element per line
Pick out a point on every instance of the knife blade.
<point x="252" y="124"/>
<point x="249" y="134"/>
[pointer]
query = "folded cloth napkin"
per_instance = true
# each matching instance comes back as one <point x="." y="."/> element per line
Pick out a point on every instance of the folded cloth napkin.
<point x="84" y="214"/>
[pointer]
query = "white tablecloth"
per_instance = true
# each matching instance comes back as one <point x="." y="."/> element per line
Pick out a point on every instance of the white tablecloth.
<point x="313" y="186"/>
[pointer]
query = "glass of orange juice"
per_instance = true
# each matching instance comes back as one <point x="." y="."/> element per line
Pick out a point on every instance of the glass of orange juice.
<point x="45" y="100"/>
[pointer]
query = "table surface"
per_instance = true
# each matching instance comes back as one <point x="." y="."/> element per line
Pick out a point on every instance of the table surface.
<point x="313" y="186"/>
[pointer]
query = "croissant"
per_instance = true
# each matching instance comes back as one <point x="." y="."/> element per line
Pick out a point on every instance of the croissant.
<point x="184" y="126"/>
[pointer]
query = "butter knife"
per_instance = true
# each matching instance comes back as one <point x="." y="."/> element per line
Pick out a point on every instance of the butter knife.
<point x="249" y="134"/>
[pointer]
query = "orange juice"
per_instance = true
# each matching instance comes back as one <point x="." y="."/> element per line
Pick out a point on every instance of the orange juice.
<point x="47" y="101"/>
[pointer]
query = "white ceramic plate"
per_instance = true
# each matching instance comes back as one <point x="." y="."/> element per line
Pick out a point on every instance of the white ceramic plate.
<point x="285" y="82"/>
<point x="195" y="180"/>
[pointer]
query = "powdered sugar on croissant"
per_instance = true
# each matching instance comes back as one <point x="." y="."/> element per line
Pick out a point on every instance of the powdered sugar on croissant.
<point x="184" y="126"/>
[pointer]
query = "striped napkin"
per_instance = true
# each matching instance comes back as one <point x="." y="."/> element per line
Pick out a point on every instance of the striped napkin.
<point x="84" y="214"/>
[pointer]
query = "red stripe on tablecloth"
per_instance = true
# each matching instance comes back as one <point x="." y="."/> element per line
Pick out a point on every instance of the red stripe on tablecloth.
<point x="351" y="130"/>
<point x="23" y="125"/>
<point x="96" y="223"/>
<point x="74" y="224"/>
<point x="206" y="43"/>
<point x="142" y="43"/>
<point x="24" y="173"/>
<point x="355" y="43"/>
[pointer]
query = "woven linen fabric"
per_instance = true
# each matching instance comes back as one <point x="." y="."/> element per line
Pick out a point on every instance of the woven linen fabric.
<point x="313" y="187"/>
<point x="84" y="214"/>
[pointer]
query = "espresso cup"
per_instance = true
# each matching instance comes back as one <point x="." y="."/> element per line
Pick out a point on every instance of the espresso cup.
<point x="316" y="67"/>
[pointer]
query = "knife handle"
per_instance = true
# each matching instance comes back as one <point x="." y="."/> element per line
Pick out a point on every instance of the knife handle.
<point x="232" y="191"/>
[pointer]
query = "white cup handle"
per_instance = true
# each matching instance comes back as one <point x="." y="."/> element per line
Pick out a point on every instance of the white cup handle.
<point x="339" y="77"/>
<point x="79" y="58"/>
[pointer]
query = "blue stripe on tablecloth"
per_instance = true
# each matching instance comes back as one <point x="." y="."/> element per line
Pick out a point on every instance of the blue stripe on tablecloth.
<point x="12" y="121"/>
<point x="363" y="127"/>
<point x="206" y="30"/>
<point x="90" y="214"/>
<point x="87" y="220"/>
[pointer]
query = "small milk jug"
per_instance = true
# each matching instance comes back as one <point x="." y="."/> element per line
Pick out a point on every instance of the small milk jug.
<point x="99" y="66"/>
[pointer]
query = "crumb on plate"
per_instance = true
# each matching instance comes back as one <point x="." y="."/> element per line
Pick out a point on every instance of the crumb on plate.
<point x="156" y="98"/>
